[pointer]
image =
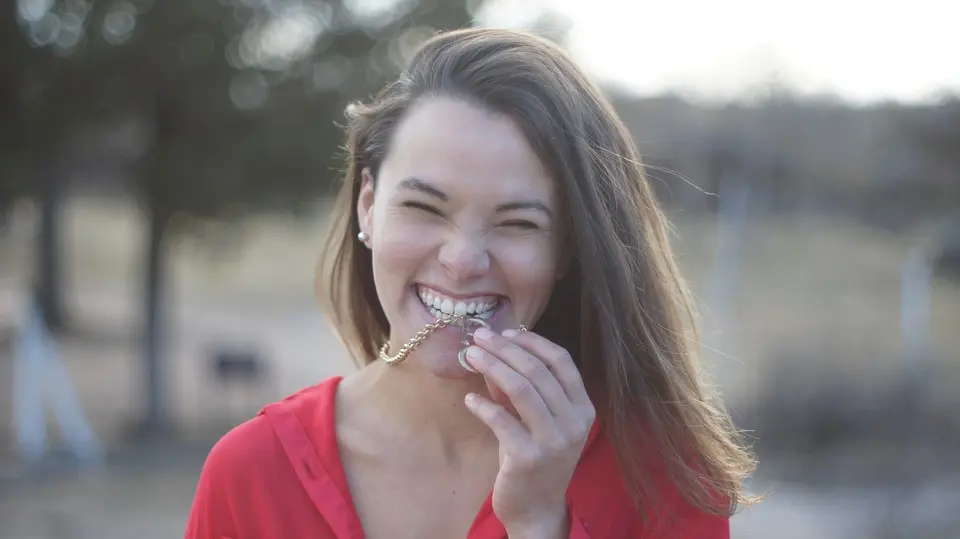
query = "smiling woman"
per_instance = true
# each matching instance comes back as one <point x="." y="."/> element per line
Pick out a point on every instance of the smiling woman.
<point x="490" y="188"/>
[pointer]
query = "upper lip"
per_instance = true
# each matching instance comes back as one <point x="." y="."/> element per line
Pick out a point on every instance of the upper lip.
<point x="451" y="295"/>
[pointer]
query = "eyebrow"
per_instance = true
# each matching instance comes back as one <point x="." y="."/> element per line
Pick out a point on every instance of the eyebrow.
<point x="423" y="186"/>
<point x="526" y="205"/>
<point x="416" y="184"/>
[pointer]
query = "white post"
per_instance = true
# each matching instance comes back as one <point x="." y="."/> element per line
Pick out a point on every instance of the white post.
<point x="40" y="368"/>
<point x="724" y="280"/>
<point x="28" y="409"/>
<point x="916" y="276"/>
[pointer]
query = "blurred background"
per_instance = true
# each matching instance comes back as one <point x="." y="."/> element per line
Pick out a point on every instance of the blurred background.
<point x="165" y="169"/>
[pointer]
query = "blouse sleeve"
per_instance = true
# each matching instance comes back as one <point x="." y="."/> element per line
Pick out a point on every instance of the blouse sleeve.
<point x="231" y="478"/>
<point x="700" y="526"/>
<point x="577" y="528"/>
<point x="211" y="515"/>
<point x="682" y="520"/>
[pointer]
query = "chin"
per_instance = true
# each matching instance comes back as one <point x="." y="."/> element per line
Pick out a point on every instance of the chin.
<point x="443" y="366"/>
<point x="438" y="355"/>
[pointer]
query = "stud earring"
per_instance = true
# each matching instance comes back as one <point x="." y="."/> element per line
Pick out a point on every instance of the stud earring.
<point x="363" y="237"/>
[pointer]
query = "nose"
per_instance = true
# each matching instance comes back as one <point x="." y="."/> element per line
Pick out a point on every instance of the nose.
<point x="465" y="256"/>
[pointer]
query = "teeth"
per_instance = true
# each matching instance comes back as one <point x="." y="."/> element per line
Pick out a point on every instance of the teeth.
<point x="438" y="314"/>
<point x="445" y="307"/>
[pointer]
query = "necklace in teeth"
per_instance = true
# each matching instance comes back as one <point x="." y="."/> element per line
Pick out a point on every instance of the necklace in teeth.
<point x="468" y="325"/>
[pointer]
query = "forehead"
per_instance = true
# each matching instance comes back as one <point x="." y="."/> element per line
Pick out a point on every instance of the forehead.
<point x="465" y="149"/>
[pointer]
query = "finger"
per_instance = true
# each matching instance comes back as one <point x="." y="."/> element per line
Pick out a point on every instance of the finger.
<point x="521" y="392"/>
<point x="530" y="366"/>
<point x="507" y="428"/>
<point x="557" y="359"/>
<point x="498" y="396"/>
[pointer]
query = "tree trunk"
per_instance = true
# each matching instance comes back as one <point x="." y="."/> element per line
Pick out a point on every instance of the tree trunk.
<point x="49" y="285"/>
<point x="156" y="203"/>
<point x="154" y="334"/>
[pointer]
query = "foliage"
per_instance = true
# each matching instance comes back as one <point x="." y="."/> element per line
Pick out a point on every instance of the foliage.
<point x="233" y="103"/>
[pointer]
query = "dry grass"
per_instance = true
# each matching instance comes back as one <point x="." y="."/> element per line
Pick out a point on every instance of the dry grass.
<point x="825" y="290"/>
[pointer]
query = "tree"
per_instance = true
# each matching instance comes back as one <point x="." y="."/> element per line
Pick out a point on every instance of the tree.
<point x="238" y="101"/>
<point x="29" y="155"/>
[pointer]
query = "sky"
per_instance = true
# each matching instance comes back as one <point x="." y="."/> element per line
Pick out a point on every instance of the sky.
<point x="862" y="51"/>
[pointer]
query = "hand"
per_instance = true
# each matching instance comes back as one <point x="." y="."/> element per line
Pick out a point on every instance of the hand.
<point x="541" y="415"/>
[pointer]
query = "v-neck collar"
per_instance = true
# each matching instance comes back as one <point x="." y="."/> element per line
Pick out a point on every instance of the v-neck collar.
<point x="315" y="456"/>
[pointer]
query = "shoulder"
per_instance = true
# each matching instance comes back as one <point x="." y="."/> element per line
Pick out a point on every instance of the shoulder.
<point x="255" y="446"/>
<point x="249" y="459"/>
<point x="663" y="513"/>
<point x="245" y="450"/>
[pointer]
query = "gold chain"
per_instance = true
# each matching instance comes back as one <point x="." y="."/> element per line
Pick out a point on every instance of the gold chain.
<point x="419" y="338"/>
<point x="413" y="342"/>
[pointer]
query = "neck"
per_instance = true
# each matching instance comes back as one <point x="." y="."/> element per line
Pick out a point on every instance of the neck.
<point x="421" y="404"/>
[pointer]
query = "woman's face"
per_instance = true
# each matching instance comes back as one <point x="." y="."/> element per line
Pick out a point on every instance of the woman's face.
<point x="463" y="220"/>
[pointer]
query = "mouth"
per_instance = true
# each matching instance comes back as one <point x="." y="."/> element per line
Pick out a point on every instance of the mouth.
<point x="446" y="307"/>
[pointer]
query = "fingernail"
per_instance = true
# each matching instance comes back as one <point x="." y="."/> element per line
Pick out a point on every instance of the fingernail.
<point x="510" y="333"/>
<point x="474" y="354"/>
<point x="483" y="334"/>
<point x="471" y="398"/>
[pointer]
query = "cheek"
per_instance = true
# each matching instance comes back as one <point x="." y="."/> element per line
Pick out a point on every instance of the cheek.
<point x="528" y="265"/>
<point x="399" y="244"/>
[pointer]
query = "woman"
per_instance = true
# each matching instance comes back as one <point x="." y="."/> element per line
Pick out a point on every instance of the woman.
<point x="491" y="181"/>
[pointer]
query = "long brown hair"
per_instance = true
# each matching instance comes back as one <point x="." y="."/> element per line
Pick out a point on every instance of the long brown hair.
<point x="622" y="309"/>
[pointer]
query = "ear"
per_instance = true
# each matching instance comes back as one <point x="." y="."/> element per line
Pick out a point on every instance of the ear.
<point x="365" y="202"/>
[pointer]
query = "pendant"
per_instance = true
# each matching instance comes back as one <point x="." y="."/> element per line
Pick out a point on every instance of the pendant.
<point x="467" y="327"/>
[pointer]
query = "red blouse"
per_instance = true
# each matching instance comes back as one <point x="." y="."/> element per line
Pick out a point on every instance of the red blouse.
<point x="279" y="476"/>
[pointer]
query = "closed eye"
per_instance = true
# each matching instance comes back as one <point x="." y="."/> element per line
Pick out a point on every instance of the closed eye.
<point x="525" y="225"/>
<point x="421" y="206"/>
